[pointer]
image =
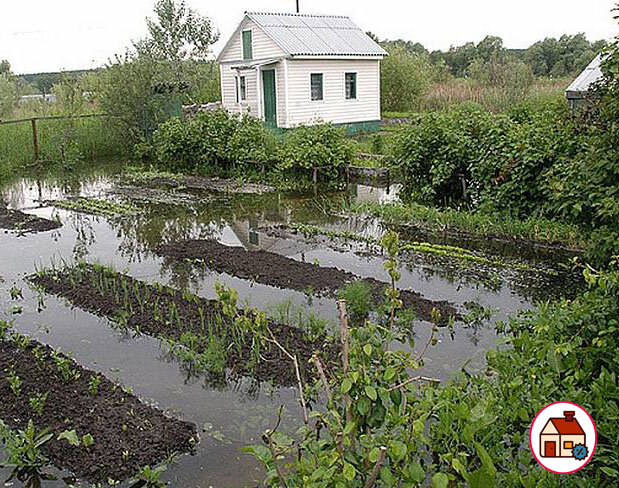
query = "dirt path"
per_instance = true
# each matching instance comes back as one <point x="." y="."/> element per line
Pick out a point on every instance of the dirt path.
<point x="286" y="273"/>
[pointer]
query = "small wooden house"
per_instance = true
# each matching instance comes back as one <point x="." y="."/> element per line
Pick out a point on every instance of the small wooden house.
<point x="560" y="435"/>
<point x="294" y="69"/>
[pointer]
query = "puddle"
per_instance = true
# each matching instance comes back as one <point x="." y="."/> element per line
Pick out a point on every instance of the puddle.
<point x="234" y="416"/>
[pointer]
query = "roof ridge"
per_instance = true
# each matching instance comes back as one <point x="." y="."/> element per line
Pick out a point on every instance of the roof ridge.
<point x="293" y="14"/>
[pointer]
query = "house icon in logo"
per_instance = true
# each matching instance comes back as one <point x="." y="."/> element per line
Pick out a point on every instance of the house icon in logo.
<point x="563" y="437"/>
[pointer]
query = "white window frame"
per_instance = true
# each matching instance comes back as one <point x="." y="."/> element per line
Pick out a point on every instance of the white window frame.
<point x="356" y="97"/>
<point x="322" y="88"/>
<point x="242" y="88"/>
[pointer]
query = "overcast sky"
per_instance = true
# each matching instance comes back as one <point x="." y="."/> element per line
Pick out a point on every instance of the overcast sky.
<point x="44" y="35"/>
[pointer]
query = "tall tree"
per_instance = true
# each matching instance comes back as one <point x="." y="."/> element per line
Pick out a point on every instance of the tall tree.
<point x="178" y="33"/>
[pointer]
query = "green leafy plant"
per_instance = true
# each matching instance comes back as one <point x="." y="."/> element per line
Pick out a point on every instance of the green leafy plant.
<point x="14" y="381"/>
<point x="23" y="448"/>
<point x="37" y="402"/>
<point x="358" y="296"/>
<point x="93" y="385"/>
<point x="65" y="367"/>
<point x="321" y="146"/>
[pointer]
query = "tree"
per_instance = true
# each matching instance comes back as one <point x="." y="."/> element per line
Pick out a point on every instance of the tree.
<point x="178" y="33"/>
<point x="567" y="55"/>
<point x="5" y="67"/>
<point x="459" y="58"/>
<point x="490" y="48"/>
<point x="142" y="85"/>
<point x="8" y="94"/>
<point x="8" y="89"/>
<point x="404" y="77"/>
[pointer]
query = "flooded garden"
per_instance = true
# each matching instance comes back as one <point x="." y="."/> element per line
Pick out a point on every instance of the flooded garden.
<point x="127" y="298"/>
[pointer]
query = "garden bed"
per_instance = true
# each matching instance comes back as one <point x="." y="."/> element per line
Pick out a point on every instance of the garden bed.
<point x="95" y="206"/>
<point x="201" y="183"/>
<point x="196" y="329"/>
<point x="127" y="433"/>
<point x="282" y="272"/>
<point x="23" y="222"/>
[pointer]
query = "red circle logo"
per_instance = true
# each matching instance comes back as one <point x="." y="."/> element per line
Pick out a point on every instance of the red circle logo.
<point x="563" y="437"/>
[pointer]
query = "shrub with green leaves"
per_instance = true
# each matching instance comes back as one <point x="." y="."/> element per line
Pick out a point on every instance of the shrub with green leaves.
<point x="586" y="189"/>
<point x="252" y="143"/>
<point x="322" y="146"/>
<point x="197" y="143"/>
<point x="563" y="351"/>
<point x="468" y="156"/>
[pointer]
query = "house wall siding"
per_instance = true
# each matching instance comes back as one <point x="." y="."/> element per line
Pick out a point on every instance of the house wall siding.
<point x="251" y="105"/>
<point x="262" y="45"/>
<point x="334" y="107"/>
<point x="228" y="92"/>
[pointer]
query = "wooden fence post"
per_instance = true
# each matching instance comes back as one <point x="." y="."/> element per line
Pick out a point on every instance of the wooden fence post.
<point x="35" y="139"/>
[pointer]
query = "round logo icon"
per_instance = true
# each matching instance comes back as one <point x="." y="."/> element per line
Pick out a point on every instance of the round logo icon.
<point x="563" y="437"/>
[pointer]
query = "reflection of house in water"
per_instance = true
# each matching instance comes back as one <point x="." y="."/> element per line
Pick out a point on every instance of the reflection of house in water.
<point x="374" y="194"/>
<point x="252" y="238"/>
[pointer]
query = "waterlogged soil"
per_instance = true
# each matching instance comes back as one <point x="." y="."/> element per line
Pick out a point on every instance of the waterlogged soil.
<point x="128" y="434"/>
<point x="17" y="220"/>
<point x="146" y="308"/>
<point x="201" y="183"/>
<point x="500" y="245"/>
<point x="283" y="272"/>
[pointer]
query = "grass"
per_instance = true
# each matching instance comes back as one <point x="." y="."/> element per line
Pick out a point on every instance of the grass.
<point x="86" y="139"/>
<point x="442" y="96"/>
<point x="478" y="224"/>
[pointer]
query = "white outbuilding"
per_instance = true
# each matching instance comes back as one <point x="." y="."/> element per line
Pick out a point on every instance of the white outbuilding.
<point x="298" y="69"/>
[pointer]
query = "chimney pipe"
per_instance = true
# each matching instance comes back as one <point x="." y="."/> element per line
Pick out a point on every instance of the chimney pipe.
<point x="297" y="6"/>
<point x="569" y="416"/>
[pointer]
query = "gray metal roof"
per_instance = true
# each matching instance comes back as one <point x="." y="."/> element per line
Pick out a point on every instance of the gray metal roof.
<point x="590" y="75"/>
<point x="316" y="35"/>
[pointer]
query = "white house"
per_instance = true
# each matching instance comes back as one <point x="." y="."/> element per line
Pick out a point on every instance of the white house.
<point x="293" y="69"/>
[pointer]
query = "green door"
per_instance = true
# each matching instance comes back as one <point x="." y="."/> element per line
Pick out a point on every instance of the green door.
<point x="270" y="98"/>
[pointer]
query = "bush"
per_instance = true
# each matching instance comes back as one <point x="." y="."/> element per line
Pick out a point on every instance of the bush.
<point x="252" y="143"/>
<point x="470" y="157"/>
<point x="189" y="145"/>
<point x="585" y="189"/>
<point x="438" y="151"/>
<point x="566" y="350"/>
<point x="320" y="146"/>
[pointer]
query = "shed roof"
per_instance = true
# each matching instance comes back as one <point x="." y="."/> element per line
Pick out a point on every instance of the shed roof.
<point x="316" y="35"/>
<point x="591" y="74"/>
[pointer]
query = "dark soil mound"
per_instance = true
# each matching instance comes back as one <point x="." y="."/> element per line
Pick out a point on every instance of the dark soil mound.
<point x="118" y="421"/>
<point x="20" y="221"/>
<point x="194" y="314"/>
<point x="282" y="272"/>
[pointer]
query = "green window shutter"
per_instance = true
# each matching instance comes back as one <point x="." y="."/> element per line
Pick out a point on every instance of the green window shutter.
<point x="247" y="47"/>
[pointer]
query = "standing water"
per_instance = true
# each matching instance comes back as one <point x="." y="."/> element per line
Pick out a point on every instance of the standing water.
<point x="235" y="415"/>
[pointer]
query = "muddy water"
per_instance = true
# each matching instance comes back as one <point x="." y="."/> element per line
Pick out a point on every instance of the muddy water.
<point x="233" y="417"/>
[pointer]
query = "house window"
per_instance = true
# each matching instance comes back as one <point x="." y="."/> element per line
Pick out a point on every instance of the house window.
<point x="316" y="86"/>
<point x="247" y="47"/>
<point x="243" y="88"/>
<point x="568" y="445"/>
<point x="236" y="88"/>
<point x="351" y="86"/>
